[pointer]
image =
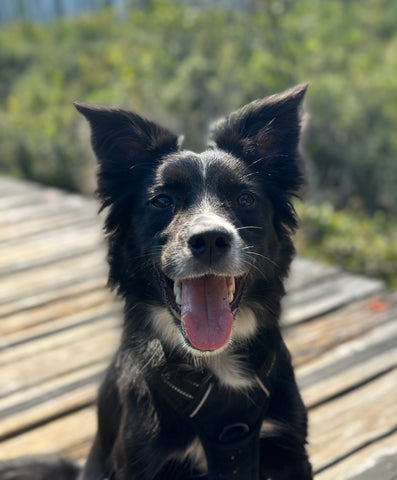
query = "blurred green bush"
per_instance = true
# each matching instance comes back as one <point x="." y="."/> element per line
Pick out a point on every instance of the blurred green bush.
<point x="184" y="66"/>
<point x="359" y="243"/>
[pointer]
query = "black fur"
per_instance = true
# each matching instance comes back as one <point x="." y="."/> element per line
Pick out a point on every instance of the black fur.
<point x="173" y="215"/>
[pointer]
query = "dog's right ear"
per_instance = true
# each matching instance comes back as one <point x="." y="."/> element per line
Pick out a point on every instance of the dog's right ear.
<point x="265" y="133"/>
<point x="123" y="141"/>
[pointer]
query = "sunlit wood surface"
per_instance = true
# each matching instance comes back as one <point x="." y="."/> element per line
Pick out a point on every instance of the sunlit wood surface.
<point x="59" y="326"/>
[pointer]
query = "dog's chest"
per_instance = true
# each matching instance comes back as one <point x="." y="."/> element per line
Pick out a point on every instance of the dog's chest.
<point x="222" y="422"/>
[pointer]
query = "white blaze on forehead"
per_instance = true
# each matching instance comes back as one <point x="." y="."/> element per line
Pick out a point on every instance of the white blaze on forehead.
<point x="221" y="163"/>
<point x="215" y="156"/>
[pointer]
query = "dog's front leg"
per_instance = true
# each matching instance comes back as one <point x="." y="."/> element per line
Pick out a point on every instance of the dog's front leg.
<point x="284" y="430"/>
<point x="146" y="451"/>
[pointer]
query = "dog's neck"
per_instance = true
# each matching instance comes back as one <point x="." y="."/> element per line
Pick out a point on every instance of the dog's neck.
<point x="233" y="366"/>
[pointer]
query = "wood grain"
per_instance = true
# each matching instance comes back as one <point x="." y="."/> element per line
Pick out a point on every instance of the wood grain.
<point x="364" y="460"/>
<point x="59" y="326"/>
<point x="349" y="422"/>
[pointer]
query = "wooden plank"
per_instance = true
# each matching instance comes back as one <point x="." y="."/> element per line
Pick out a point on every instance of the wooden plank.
<point x="349" y="366"/>
<point x="10" y="186"/>
<point x="305" y="272"/>
<point x="48" y="221"/>
<point x="82" y="286"/>
<point x="49" y="246"/>
<point x="57" y="204"/>
<point x="67" y="351"/>
<point x="62" y="328"/>
<point x="69" y="436"/>
<point x="350" y="422"/>
<point x="309" y="340"/>
<point x="322" y="391"/>
<point x="48" y="411"/>
<point x="47" y="237"/>
<point x="326" y="296"/>
<point x="363" y="463"/>
<point x="21" y="286"/>
<point x="29" y="397"/>
<point x="28" y="196"/>
<point x="23" y="323"/>
<point x="385" y="468"/>
<point x="39" y="338"/>
<point x="79" y="440"/>
<point x="37" y="405"/>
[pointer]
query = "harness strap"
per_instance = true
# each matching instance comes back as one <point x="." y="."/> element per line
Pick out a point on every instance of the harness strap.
<point x="227" y="421"/>
<point x="234" y="459"/>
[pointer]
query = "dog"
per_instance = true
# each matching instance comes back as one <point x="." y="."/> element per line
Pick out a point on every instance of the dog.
<point x="202" y="385"/>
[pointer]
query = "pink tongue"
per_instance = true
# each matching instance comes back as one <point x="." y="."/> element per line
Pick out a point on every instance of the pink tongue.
<point x="206" y="314"/>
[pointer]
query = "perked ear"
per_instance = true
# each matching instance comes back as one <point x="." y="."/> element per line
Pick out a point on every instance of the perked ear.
<point x="266" y="133"/>
<point x="122" y="136"/>
<point x="123" y="141"/>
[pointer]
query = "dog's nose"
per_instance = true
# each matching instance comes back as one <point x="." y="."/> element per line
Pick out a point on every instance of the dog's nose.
<point x="210" y="245"/>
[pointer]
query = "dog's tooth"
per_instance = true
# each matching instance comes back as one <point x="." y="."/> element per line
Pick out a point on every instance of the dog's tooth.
<point x="177" y="293"/>
<point x="231" y="288"/>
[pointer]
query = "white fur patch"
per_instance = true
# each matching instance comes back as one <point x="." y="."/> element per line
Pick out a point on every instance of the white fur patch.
<point x="164" y="326"/>
<point x="229" y="368"/>
<point x="195" y="453"/>
<point x="245" y="324"/>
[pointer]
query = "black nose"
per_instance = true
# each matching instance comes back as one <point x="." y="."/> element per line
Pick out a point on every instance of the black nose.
<point x="210" y="245"/>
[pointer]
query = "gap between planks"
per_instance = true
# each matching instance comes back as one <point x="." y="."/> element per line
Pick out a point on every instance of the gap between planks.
<point x="82" y="346"/>
<point x="27" y="323"/>
<point x="347" y="423"/>
<point x="350" y="365"/>
<point x="40" y="285"/>
<point x="326" y="296"/>
<point x="37" y="405"/>
<point x="335" y="433"/>
<point x="308" y="341"/>
<point x="359" y="464"/>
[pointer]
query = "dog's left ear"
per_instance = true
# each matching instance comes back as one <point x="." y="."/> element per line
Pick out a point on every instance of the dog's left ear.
<point x="123" y="137"/>
<point x="266" y="133"/>
<point x="125" y="144"/>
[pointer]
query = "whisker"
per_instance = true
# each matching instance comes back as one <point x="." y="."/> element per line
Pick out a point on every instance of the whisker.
<point x="249" y="226"/>
<point x="264" y="257"/>
<point x="250" y="265"/>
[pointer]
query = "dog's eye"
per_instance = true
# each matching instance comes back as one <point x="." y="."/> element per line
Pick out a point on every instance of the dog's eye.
<point x="245" y="199"/>
<point x="162" y="201"/>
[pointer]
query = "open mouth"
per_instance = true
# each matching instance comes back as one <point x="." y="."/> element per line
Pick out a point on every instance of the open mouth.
<point x="205" y="306"/>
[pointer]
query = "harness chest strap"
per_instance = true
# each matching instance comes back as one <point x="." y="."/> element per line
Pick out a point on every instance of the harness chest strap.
<point x="227" y="421"/>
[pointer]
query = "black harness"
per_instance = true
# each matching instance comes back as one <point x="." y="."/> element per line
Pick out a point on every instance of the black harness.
<point x="227" y="421"/>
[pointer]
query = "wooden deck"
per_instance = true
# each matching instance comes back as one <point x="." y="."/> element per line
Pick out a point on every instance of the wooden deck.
<point x="59" y="326"/>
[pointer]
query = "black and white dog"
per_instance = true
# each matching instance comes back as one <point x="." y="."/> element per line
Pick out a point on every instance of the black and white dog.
<point x="199" y="245"/>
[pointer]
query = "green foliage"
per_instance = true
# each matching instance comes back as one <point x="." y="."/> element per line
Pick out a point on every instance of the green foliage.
<point x="183" y="66"/>
<point x="362" y="244"/>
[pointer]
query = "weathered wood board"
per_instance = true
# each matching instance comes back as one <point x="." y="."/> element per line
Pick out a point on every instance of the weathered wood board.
<point x="59" y="327"/>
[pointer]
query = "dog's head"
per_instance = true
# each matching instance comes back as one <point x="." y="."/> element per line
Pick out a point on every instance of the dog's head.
<point x="206" y="234"/>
